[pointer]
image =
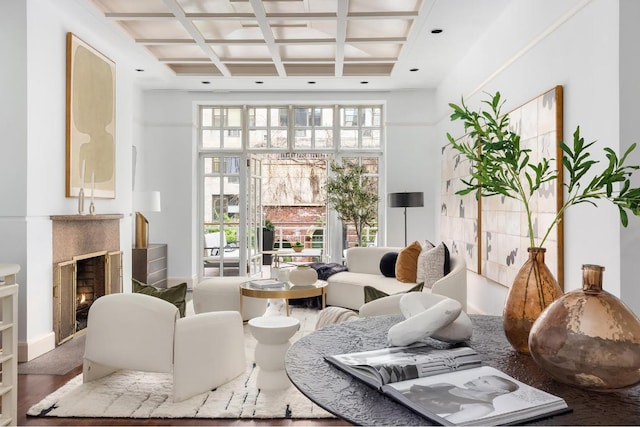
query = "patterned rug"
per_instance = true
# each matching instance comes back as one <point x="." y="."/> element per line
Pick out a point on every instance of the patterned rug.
<point x="129" y="394"/>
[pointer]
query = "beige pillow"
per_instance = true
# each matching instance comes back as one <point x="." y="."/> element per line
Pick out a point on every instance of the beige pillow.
<point x="432" y="265"/>
<point x="407" y="263"/>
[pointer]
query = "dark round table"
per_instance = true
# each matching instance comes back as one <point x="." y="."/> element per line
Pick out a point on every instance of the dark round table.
<point x="357" y="403"/>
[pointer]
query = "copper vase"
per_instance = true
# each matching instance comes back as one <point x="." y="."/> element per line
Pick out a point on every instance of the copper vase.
<point x="533" y="289"/>
<point x="588" y="338"/>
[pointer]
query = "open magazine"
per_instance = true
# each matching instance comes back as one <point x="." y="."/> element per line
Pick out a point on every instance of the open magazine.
<point x="449" y="386"/>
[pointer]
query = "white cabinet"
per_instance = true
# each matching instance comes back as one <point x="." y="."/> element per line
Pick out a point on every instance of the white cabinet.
<point x="9" y="346"/>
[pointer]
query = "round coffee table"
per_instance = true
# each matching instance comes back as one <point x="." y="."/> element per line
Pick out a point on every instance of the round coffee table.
<point x="287" y="291"/>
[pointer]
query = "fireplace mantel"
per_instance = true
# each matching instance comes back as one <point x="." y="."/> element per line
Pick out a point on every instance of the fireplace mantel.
<point x="100" y="217"/>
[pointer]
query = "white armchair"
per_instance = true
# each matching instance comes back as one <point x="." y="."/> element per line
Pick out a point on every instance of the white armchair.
<point x="144" y="333"/>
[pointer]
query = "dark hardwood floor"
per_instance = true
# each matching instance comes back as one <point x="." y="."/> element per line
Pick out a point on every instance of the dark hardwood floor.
<point x="33" y="388"/>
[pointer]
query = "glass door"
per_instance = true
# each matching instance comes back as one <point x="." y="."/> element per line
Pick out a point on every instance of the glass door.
<point x="223" y="251"/>
<point x="254" y="217"/>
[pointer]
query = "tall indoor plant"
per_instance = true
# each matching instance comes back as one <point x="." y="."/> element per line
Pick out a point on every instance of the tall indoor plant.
<point x="353" y="195"/>
<point x="502" y="166"/>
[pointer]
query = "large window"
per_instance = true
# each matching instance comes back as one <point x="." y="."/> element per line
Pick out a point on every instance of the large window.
<point x="297" y="127"/>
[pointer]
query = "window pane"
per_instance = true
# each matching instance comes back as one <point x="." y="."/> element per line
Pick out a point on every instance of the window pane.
<point x="232" y="165"/>
<point x="302" y="138"/>
<point x="279" y="117"/>
<point x="279" y="138"/>
<point x="257" y="117"/>
<point x="258" y="138"/>
<point x="371" y="116"/>
<point x="371" y="164"/>
<point x="349" y="138"/>
<point x="233" y="138"/>
<point x="302" y="116"/>
<point x="349" y="117"/>
<point x="370" y="138"/>
<point x="207" y="117"/>
<point x="233" y="117"/>
<point x="324" y="138"/>
<point x="326" y="119"/>
<point x="211" y="138"/>
<point x="217" y="117"/>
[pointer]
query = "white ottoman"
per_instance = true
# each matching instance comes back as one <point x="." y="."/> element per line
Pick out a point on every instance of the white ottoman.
<point x="223" y="294"/>
<point x="272" y="334"/>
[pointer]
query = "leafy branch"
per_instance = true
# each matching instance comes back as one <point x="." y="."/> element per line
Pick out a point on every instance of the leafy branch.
<point x="502" y="166"/>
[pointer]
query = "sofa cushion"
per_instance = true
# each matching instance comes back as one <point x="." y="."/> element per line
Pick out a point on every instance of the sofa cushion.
<point x="433" y="265"/>
<point x="407" y="263"/>
<point x="176" y="295"/>
<point x="388" y="264"/>
<point x="371" y="293"/>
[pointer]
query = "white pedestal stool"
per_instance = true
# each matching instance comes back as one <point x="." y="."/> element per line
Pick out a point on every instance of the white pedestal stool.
<point x="272" y="334"/>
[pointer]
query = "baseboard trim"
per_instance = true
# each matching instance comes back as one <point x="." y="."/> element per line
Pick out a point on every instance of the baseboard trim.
<point x="30" y="350"/>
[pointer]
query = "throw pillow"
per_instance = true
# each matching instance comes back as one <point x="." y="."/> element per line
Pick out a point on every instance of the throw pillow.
<point x="371" y="293"/>
<point x="176" y="295"/>
<point x="407" y="263"/>
<point x="433" y="265"/>
<point x="388" y="264"/>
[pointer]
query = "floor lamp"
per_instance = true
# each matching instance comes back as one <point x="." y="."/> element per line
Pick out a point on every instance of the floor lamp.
<point x="148" y="201"/>
<point x="406" y="200"/>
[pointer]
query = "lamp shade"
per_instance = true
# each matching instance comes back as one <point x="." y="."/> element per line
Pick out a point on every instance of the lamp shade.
<point x="147" y="201"/>
<point x="406" y="200"/>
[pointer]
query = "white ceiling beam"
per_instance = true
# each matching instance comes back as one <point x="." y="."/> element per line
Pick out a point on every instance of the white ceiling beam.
<point x="341" y="36"/>
<point x="261" y="16"/>
<point x="175" y="8"/>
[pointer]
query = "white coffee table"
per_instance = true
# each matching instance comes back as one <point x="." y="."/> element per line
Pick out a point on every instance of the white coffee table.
<point x="272" y="334"/>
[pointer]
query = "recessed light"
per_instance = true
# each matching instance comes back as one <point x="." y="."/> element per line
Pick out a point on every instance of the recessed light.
<point x="364" y="83"/>
<point x="311" y="82"/>
<point x="140" y="70"/>
<point x="436" y="31"/>
<point x="259" y="82"/>
<point x="413" y="70"/>
<point x="205" y="82"/>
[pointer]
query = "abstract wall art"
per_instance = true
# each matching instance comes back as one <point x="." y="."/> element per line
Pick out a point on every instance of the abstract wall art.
<point x="90" y="121"/>
<point x="501" y="237"/>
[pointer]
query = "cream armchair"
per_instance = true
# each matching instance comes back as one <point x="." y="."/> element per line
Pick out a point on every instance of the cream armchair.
<point x="143" y="333"/>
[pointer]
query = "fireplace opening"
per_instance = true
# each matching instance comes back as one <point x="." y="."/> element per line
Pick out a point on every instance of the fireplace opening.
<point x="80" y="282"/>
<point x="90" y="285"/>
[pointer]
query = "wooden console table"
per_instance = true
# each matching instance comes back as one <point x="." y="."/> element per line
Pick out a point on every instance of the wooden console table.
<point x="357" y="403"/>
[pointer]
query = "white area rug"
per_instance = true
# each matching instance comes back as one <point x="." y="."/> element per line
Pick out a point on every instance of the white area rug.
<point x="129" y="394"/>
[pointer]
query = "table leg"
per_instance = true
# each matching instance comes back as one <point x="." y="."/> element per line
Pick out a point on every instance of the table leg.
<point x="324" y="298"/>
<point x="241" y="312"/>
<point x="286" y="305"/>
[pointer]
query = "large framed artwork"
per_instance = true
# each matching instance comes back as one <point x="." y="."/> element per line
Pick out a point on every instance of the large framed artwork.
<point x="502" y="238"/>
<point x="90" y="127"/>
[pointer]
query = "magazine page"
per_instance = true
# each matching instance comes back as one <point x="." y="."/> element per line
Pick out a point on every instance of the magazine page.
<point x="479" y="396"/>
<point x="401" y="363"/>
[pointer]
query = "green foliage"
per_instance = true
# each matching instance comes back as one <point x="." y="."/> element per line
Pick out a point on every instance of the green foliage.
<point x="268" y="225"/>
<point x="297" y="245"/>
<point x="353" y="195"/>
<point x="501" y="166"/>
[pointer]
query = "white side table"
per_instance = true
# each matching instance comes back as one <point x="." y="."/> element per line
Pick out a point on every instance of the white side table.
<point x="272" y="334"/>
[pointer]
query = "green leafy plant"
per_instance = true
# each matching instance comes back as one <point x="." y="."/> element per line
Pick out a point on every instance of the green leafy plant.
<point x="353" y="195"/>
<point x="268" y="225"/>
<point x="501" y="166"/>
<point x="297" y="245"/>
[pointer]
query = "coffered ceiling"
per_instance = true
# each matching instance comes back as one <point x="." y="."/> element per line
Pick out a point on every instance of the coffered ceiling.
<point x="330" y="44"/>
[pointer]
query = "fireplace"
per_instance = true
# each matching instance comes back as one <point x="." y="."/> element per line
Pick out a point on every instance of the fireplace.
<point x="87" y="265"/>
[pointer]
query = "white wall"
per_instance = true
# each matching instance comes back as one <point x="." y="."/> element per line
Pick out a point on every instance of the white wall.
<point x="33" y="147"/>
<point x="534" y="46"/>
<point x="169" y="155"/>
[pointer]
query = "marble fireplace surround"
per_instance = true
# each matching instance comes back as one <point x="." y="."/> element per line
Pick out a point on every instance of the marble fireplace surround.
<point x="77" y="239"/>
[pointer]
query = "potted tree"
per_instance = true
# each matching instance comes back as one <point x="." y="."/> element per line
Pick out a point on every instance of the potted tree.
<point x="353" y="195"/>
<point x="502" y="166"/>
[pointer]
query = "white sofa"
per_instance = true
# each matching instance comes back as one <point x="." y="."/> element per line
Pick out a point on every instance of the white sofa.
<point x="346" y="289"/>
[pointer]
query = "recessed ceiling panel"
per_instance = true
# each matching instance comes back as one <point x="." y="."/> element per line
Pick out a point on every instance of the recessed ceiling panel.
<point x="378" y="28"/>
<point x="240" y="53"/>
<point x="368" y="69"/>
<point x="375" y="50"/>
<point x="300" y="6"/>
<point x="385" y="5"/>
<point x="128" y="6"/>
<point x="322" y="52"/>
<point x="195" y="70"/>
<point x="310" y="70"/>
<point x="327" y="31"/>
<point x="206" y="6"/>
<point x="176" y="51"/>
<point x="226" y="29"/>
<point x="261" y="70"/>
<point x="155" y="29"/>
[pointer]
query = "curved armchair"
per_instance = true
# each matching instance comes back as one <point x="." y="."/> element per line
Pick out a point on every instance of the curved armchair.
<point x="143" y="333"/>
